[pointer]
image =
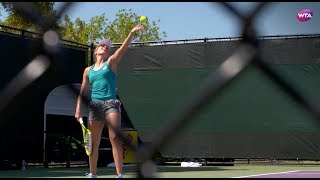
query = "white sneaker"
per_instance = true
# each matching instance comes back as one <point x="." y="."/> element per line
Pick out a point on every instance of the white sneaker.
<point x="89" y="175"/>
<point x="119" y="176"/>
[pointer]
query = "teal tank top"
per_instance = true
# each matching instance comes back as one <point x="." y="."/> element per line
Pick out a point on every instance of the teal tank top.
<point x="103" y="83"/>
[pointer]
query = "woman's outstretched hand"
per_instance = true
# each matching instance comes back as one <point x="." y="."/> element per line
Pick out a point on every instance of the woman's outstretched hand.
<point x="137" y="28"/>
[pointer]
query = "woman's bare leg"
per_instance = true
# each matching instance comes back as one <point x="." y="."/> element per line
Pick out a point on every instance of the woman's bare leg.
<point x="114" y="119"/>
<point x="96" y="128"/>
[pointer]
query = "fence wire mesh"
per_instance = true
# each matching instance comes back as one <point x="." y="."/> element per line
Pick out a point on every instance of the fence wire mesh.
<point x="247" y="54"/>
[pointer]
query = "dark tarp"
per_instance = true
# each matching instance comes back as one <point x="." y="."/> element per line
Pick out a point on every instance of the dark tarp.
<point x="251" y="118"/>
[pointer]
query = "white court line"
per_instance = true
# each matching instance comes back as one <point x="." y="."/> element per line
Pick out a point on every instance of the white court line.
<point x="310" y="170"/>
<point x="316" y="172"/>
<point x="266" y="174"/>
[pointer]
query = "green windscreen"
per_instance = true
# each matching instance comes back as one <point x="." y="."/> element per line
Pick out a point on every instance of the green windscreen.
<point x="252" y="115"/>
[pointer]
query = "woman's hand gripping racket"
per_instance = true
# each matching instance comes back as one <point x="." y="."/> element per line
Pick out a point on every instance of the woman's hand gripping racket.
<point x="87" y="138"/>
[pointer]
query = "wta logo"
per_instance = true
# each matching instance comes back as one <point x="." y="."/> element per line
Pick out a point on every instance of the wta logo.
<point x="304" y="15"/>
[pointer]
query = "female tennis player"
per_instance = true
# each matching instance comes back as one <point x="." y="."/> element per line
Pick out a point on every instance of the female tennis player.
<point x="104" y="105"/>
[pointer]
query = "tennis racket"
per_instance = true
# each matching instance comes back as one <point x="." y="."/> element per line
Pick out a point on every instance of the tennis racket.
<point x="87" y="138"/>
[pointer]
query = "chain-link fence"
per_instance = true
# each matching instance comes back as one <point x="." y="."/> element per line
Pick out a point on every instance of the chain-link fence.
<point x="248" y="53"/>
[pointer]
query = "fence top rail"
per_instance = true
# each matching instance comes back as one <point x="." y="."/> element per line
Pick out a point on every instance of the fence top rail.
<point x="26" y="32"/>
<point x="275" y="37"/>
<point x="184" y="41"/>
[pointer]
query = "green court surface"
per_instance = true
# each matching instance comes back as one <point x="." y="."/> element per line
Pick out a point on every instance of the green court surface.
<point x="162" y="171"/>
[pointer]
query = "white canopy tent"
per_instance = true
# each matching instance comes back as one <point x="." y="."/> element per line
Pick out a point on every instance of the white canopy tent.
<point x="62" y="101"/>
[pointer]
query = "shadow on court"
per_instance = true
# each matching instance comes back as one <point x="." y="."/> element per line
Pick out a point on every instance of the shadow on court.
<point x="162" y="172"/>
<point x="102" y="171"/>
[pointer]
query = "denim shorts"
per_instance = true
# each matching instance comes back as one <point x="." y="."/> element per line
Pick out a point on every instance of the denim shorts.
<point x="99" y="110"/>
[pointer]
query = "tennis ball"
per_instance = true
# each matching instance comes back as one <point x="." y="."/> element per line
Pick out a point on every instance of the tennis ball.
<point x="143" y="18"/>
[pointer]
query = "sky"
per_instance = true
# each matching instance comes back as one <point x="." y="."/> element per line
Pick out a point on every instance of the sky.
<point x="198" y="20"/>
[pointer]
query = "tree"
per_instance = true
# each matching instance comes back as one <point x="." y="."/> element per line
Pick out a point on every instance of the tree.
<point x="17" y="20"/>
<point x="100" y="27"/>
<point x="81" y="32"/>
<point x="118" y="30"/>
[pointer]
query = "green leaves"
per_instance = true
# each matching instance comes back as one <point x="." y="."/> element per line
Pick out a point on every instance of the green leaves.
<point x="82" y="32"/>
<point x="17" y="20"/>
<point x="125" y="20"/>
<point x="99" y="27"/>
